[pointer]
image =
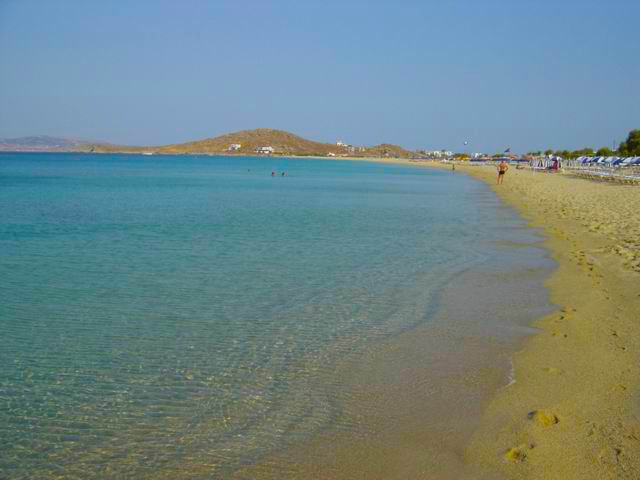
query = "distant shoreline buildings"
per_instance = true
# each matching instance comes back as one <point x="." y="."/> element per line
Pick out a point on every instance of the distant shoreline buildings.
<point x="437" y="153"/>
<point x="350" y="148"/>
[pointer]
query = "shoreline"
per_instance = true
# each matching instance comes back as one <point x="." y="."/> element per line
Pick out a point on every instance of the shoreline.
<point x="574" y="408"/>
<point x="573" y="411"/>
<point x="438" y="398"/>
<point x="382" y="407"/>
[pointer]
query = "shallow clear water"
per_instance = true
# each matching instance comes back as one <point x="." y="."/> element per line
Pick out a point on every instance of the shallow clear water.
<point x="166" y="311"/>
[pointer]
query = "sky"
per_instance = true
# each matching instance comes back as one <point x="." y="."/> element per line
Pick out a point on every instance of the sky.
<point x="525" y="74"/>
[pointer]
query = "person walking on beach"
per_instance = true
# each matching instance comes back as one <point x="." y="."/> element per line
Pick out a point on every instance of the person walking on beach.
<point x="502" y="169"/>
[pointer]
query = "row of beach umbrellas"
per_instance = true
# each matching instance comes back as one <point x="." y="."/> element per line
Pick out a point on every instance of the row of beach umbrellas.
<point x="608" y="161"/>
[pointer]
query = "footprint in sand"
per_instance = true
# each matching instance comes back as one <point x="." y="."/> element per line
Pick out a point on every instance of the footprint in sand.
<point x="543" y="418"/>
<point x="553" y="370"/>
<point x="568" y="309"/>
<point x="518" y="454"/>
<point x="610" y="455"/>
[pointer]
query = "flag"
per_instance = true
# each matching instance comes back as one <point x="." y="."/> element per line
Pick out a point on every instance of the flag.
<point x="507" y="150"/>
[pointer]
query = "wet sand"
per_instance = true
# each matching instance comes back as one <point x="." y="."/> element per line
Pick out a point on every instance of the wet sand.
<point x="409" y="406"/>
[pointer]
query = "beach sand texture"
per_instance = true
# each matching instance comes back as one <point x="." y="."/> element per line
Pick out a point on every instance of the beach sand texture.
<point x="574" y="410"/>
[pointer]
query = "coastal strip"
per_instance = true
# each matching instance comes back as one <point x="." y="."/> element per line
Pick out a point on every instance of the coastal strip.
<point x="573" y="411"/>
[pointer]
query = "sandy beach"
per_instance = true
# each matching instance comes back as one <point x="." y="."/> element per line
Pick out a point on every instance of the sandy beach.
<point x="573" y="411"/>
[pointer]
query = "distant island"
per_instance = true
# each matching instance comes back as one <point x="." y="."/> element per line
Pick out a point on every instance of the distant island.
<point x="41" y="143"/>
<point x="261" y="141"/>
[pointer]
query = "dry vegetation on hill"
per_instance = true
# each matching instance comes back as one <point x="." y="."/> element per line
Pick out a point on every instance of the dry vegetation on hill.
<point x="283" y="143"/>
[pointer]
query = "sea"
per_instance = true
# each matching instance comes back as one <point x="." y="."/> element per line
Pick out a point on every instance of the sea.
<point x="202" y="316"/>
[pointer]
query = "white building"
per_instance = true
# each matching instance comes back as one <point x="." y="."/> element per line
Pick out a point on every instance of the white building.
<point x="264" y="150"/>
<point x="438" y="153"/>
<point x="234" y="147"/>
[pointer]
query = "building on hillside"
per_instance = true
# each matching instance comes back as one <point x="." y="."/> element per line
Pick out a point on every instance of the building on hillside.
<point x="264" y="150"/>
<point x="438" y="153"/>
<point x="234" y="147"/>
<point x="350" y="148"/>
<point x="331" y="154"/>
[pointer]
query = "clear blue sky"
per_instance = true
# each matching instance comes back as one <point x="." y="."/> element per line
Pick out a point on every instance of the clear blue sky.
<point x="424" y="74"/>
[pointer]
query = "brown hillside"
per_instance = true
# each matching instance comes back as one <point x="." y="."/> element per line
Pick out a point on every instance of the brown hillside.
<point x="389" y="150"/>
<point x="283" y="143"/>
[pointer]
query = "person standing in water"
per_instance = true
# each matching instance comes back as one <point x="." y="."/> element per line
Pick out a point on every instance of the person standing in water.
<point x="502" y="169"/>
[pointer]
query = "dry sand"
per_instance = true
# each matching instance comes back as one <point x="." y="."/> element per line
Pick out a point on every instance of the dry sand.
<point x="574" y="411"/>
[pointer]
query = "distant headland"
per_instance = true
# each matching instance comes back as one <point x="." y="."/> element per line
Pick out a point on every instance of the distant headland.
<point x="261" y="141"/>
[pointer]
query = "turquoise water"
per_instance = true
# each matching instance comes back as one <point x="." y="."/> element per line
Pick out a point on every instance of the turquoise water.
<point x="167" y="311"/>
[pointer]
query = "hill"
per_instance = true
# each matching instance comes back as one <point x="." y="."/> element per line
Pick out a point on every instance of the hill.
<point x="282" y="143"/>
<point x="39" y="143"/>
<point x="389" y="150"/>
